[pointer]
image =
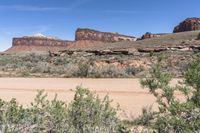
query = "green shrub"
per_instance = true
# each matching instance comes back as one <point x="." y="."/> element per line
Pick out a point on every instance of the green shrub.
<point x="87" y="113"/>
<point x="24" y="74"/>
<point x="192" y="79"/>
<point x="61" y="61"/>
<point x="41" y="67"/>
<point x="83" y="69"/>
<point x="145" y="118"/>
<point x="132" y="71"/>
<point x="107" y="71"/>
<point x="173" y="115"/>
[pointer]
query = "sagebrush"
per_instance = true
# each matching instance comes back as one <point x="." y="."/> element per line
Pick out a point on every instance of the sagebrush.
<point x="87" y="113"/>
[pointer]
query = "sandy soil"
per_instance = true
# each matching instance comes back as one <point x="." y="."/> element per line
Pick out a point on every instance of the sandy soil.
<point x="126" y="92"/>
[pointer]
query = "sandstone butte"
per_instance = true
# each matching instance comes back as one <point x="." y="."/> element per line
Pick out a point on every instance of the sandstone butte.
<point x="82" y="37"/>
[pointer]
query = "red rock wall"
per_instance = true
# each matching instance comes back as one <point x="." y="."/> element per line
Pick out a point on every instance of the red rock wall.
<point x="190" y="24"/>
<point x="93" y="35"/>
<point x="37" y="41"/>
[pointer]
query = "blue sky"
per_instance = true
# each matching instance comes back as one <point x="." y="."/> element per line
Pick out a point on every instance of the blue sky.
<point x="61" y="18"/>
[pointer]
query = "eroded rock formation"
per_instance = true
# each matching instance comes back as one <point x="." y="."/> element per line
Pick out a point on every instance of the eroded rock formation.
<point x="84" y="38"/>
<point x="190" y="24"/>
<point x="93" y="35"/>
<point x="150" y="35"/>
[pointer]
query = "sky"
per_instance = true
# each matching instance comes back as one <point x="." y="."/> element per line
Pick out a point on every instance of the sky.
<point x="61" y="18"/>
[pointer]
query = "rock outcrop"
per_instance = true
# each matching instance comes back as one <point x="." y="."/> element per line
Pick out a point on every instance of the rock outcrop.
<point x="190" y="24"/>
<point x="93" y="35"/>
<point x="150" y="35"/>
<point x="149" y="50"/>
<point x="92" y="52"/>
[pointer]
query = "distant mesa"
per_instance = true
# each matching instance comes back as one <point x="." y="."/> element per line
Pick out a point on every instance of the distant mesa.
<point x="80" y="35"/>
<point x="148" y="35"/>
<point x="40" y="42"/>
<point x="94" y="35"/>
<point x="189" y="24"/>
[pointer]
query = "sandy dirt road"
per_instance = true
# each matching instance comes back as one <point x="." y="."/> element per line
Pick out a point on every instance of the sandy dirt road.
<point x="126" y="92"/>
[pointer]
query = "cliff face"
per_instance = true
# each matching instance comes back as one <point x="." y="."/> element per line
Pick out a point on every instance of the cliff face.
<point x="84" y="38"/>
<point x="37" y="44"/>
<point x="190" y="24"/>
<point x="93" y="35"/>
<point x="38" y="41"/>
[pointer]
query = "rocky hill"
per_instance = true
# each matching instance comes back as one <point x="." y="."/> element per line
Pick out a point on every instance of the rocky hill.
<point x="190" y="24"/>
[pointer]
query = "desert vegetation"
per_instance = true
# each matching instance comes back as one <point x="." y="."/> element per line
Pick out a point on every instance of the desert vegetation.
<point x="174" y="115"/>
<point x="80" y="64"/>
<point x="86" y="113"/>
<point x="34" y="65"/>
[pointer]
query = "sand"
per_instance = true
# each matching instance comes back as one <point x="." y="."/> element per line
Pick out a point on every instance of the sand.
<point x="126" y="92"/>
